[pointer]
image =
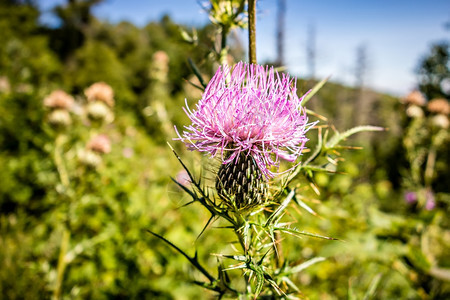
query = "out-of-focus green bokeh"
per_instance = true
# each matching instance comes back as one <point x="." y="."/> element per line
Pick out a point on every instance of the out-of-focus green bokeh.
<point x="108" y="208"/>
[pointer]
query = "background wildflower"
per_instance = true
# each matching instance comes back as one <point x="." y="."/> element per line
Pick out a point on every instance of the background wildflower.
<point x="100" y="143"/>
<point x="415" y="98"/>
<point x="59" y="100"/>
<point x="100" y="91"/>
<point x="410" y="197"/>
<point x="439" y="106"/>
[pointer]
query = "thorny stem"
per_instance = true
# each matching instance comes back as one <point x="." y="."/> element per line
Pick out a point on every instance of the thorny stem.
<point x="192" y="260"/>
<point x="239" y="229"/>
<point x="252" y="31"/>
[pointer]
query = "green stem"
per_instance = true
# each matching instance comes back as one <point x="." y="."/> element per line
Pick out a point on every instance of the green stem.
<point x="60" y="167"/>
<point x="239" y="229"/>
<point x="252" y="31"/>
<point x="436" y="142"/>
<point x="64" y="178"/>
<point x="429" y="169"/>
<point x="223" y="46"/>
<point x="61" y="264"/>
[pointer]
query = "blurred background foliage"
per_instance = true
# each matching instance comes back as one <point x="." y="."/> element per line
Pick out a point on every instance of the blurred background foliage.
<point x="388" y="204"/>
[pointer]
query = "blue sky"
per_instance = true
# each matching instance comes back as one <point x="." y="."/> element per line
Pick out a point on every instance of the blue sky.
<point x="396" y="33"/>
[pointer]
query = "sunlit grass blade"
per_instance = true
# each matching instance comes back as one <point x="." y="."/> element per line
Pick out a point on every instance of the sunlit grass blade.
<point x="314" y="90"/>
<point x="300" y="233"/>
<point x="338" y="137"/>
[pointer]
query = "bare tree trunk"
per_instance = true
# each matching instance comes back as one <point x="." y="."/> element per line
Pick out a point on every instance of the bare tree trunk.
<point x="311" y="51"/>
<point x="280" y="32"/>
<point x="363" y="101"/>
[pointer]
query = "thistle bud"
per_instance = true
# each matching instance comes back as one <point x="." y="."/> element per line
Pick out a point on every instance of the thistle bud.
<point x="414" y="111"/>
<point x="440" y="121"/>
<point x="60" y="118"/>
<point x="241" y="184"/>
<point x="89" y="158"/>
<point x="99" y="111"/>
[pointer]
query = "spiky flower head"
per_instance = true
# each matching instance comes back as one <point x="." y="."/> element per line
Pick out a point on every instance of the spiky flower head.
<point x="249" y="110"/>
<point x="251" y="118"/>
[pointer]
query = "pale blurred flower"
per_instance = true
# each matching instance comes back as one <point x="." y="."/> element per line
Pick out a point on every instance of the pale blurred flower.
<point x="127" y="152"/>
<point x="160" y="57"/>
<point x="414" y="111"/>
<point x="100" y="91"/>
<point x="59" y="100"/>
<point x="415" y="98"/>
<point x="160" y="66"/>
<point x="98" y="110"/>
<point x="440" y="121"/>
<point x="59" y="117"/>
<point x="89" y="158"/>
<point x="100" y="144"/>
<point x="430" y="200"/>
<point x="439" y="106"/>
<point x="5" y="86"/>
<point x="183" y="178"/>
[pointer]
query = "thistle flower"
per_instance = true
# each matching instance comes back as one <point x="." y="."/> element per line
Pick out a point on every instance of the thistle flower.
<point x="100" y="91"/>
<point x="410" y="197"/>
<point x="100" y="144"/>
<point x="59" y="99"/>
<point x="415" y="98"/>
<point x="91" y="156"/>
<point x="439" y="106"/>
<point x="250" y="117"/>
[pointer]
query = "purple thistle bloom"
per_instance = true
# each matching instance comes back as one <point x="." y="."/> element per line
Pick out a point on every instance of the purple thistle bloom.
<point x="250" y="110"/>
<point x="410" y="197"/>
